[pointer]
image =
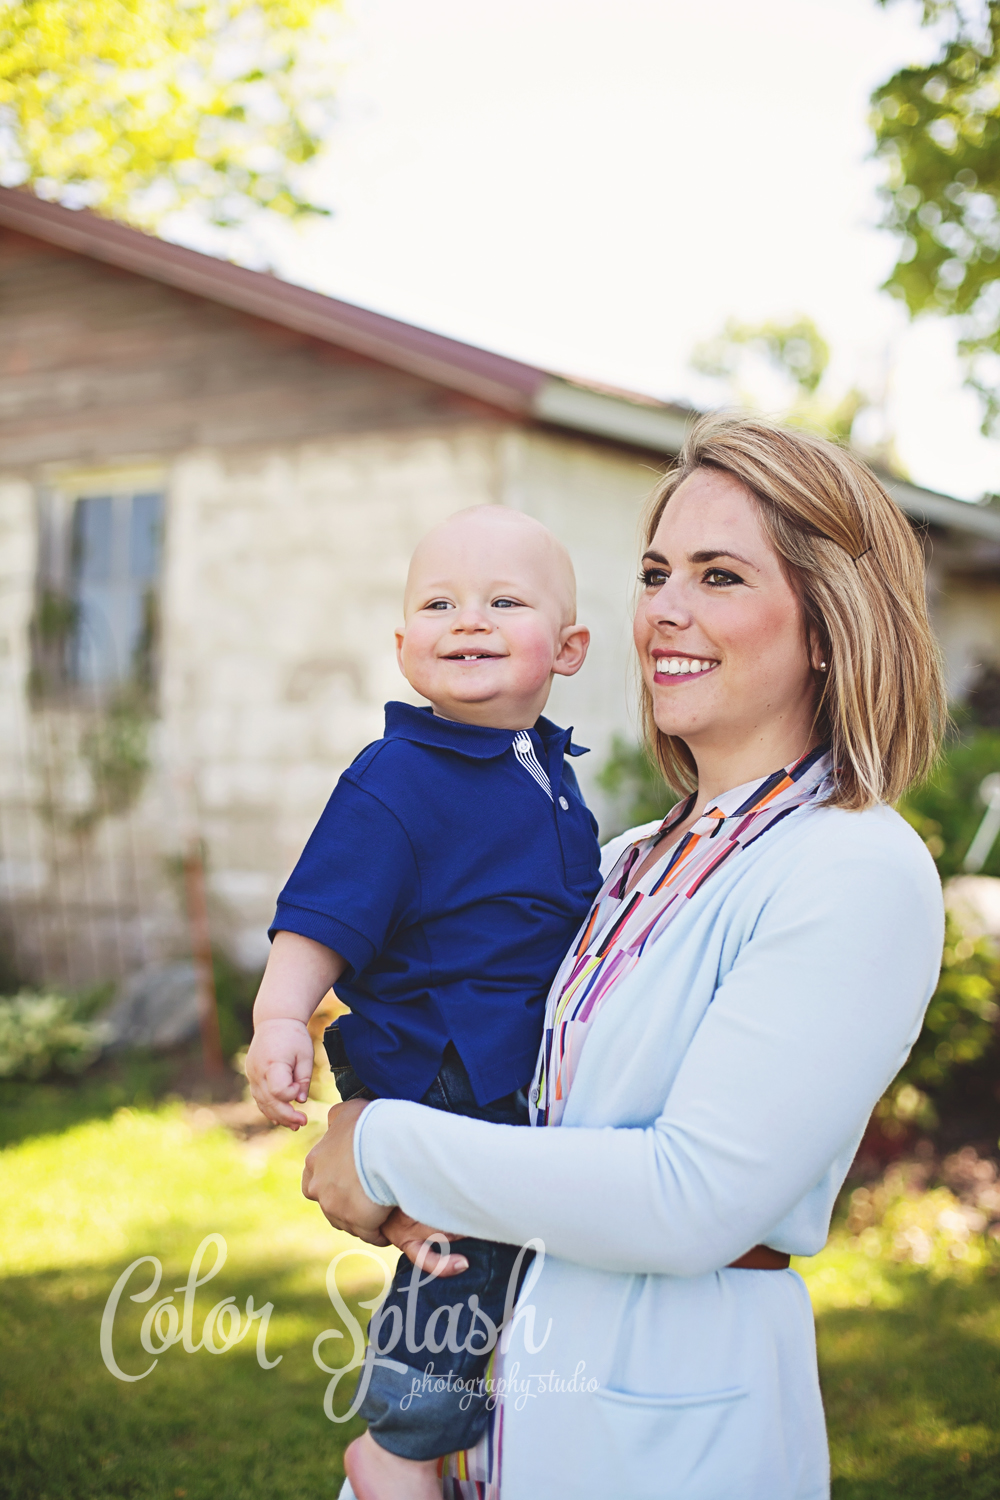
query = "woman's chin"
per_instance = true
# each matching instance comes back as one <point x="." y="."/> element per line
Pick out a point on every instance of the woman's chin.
<point x="678" y="720"/>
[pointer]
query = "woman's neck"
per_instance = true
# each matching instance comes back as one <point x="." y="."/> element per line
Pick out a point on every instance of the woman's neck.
<point x="721" y="769"/>
<point x="718" y="775"/>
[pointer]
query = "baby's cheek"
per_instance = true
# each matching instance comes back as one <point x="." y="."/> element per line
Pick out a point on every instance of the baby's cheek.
<point x="534" y="656"/>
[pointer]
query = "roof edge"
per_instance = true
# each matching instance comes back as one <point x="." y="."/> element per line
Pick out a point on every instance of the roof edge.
<point x="642" y="423"/>
<point x="476" y="372"/>
<point x="929" y="508"/>
<point x="511" y="385"/>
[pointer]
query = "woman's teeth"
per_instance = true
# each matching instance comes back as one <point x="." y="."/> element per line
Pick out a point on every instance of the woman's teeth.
<point x="681" y="666"/>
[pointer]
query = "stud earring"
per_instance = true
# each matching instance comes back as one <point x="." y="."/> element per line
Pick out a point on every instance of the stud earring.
<point x="822" y="666"/>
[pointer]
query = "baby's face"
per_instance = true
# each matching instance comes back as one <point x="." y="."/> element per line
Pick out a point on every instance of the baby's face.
<point x="490" y="612"/>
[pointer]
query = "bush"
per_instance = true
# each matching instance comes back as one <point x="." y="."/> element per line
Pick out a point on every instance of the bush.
<point x="946" y="810"/>
<point x="42" y="1034"/>
<point x="901" y="1219"/>
<point x="633" y="779"/>
<point x="235" y="992"/>
<point x="961" y="1019"/>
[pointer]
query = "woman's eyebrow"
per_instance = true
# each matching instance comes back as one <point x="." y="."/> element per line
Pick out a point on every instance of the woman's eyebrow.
<point x="703" y="557"/>
<point x="709" y="556"/>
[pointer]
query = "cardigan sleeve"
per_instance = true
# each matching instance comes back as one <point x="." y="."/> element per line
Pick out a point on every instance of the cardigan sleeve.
<point x="804" y="1033"/>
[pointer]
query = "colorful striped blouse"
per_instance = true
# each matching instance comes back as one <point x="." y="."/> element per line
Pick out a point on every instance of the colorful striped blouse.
<point x="622" y="922"/>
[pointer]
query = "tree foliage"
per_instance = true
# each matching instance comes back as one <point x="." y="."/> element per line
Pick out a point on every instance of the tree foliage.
<point x="937" y="128"/>
<point x="796" y="348"/>
<point x="798" y="352"/>
<point x="141" y="107"/>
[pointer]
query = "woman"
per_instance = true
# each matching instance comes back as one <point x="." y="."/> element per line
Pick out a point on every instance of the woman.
<point x="752" y="976"/>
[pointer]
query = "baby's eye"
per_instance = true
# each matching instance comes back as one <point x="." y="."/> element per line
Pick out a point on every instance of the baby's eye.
<point x="439" y="604"/>
<point x="721" y="578"/>
<point x="653" y="578"/>
<point x="506" y="603"/>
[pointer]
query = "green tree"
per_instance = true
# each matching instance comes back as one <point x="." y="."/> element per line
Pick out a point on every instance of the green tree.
<point x="139" y="108"/>
<point x="796" y="350"/>
<point x="937" y="129"/>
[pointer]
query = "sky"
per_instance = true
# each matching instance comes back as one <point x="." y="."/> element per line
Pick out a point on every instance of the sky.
<point x="597" y="185"/>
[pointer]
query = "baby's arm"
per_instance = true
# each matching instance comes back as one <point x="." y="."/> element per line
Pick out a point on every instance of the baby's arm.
<point x="280" y="1060"/>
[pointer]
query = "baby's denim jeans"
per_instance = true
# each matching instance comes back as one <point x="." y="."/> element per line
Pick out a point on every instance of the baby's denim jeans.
<point x="419" y="1412"/>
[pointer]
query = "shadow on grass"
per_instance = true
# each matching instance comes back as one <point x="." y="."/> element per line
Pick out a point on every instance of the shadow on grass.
<point x="199" y="1427"/>
<point x="133" y="1080"/>
<point x="912" y="1393"/>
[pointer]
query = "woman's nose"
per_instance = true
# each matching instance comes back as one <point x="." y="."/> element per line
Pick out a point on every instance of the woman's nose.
<point x="666" y="607"/>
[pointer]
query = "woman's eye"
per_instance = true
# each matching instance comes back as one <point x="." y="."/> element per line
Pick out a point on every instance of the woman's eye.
<point x="653" y="578"/>
<point x="719" y="578"/>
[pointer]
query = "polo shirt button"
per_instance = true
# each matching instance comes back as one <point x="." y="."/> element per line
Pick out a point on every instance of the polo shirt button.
<point x="564" y="804"/>
<point x="534" y="1095"/>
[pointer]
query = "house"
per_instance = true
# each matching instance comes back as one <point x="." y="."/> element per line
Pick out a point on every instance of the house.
<point x="210" y="484"/>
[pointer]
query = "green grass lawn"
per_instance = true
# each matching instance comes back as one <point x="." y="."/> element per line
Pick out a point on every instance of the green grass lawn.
<point x="910" y="1353"/>
<point x="78" y="1207"/>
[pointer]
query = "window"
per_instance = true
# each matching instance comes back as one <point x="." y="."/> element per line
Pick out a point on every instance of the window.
<point x="97" y="617"/>
<point x="115" y="564"/>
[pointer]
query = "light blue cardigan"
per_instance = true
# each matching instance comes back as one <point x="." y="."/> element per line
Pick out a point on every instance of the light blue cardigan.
<point x="718" y="1103"/>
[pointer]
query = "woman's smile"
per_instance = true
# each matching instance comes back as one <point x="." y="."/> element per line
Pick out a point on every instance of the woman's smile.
<point x="675" y="667"/>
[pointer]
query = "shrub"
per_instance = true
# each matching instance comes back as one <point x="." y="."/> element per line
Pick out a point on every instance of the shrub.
<point x="946" y="810"/>
<point x="41" y="1034"/>
<point x="635" y="783"/>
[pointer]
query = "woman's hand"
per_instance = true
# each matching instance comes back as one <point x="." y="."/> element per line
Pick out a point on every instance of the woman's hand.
<point x="331" y="1180"/>
<point x="411" y="1237"/>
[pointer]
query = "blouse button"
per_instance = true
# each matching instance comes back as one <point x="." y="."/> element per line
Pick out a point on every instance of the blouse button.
<point x="564" y="804"/>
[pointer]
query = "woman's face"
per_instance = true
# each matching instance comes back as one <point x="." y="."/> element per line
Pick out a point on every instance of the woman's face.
<point x="720" y="631"/>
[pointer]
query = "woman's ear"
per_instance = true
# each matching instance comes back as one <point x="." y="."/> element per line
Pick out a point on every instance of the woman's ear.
<point x="818" y="653"/>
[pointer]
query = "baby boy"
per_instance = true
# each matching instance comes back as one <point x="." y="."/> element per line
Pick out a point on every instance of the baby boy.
<point x="439" y="892"/>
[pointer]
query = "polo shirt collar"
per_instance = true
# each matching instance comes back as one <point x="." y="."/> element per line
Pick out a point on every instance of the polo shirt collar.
<point x="422" y="726"/>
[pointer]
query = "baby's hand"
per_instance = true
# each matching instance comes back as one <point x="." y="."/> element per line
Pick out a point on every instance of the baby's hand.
<point x="279" y="1070"/>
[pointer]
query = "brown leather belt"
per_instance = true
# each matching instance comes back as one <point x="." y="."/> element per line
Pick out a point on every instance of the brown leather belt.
<point x="761" y="1258"/>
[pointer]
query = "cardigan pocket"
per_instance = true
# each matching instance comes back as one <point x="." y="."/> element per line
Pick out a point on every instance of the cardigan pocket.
<point x="635" y="1439"/>
<point x="699" y="1398"/>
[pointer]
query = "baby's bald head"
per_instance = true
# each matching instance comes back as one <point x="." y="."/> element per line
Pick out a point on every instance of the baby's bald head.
<point x="490" y="610"/>
<point x="496" y="543"/>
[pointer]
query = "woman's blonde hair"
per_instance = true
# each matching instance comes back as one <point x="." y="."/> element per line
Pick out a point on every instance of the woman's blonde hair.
<point x="853" y="559"/>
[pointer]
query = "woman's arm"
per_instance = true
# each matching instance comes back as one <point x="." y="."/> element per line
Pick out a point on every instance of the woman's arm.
<point x="801" y="1038"/>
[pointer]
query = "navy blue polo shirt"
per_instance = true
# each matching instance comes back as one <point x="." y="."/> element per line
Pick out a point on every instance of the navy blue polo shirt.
<point x="451" y="869"/>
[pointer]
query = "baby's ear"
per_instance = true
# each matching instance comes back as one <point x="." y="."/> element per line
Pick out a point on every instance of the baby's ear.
<point x="572" y="653"/>
<point x="399" y="651"/>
